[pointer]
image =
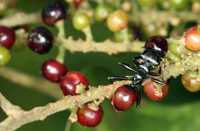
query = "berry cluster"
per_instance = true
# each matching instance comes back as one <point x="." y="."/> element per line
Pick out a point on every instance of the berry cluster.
<point x="41" y="39"/>
<point x="72" y="83"/>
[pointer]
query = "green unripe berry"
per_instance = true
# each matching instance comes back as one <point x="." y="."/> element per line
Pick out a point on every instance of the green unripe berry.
<point x="81" y="21"/>
<point x="102" y="12"/>
<point x="122" y="36"/>
<point x="5" y="56"/>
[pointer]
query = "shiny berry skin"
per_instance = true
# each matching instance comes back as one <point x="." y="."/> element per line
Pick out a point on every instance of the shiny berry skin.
<point x="157" y="43"/>
<point x="77" y="3"/>
<point x="7" y="37"/>
<point x="40" y="40"/>
<point x="90" y="115"/>
<point x="53" y="70"/>
<point x="117" y="21"/>
<point x="191" y="81"/>
<point x="192" y="39"/>
<point x="124" y="98"/>
<point x="154" y="91"/>
<point x="5" y="56"/>
<point x="81" y="20"/>
<point x="74" y="83"/>
<point x="53" y="13"/>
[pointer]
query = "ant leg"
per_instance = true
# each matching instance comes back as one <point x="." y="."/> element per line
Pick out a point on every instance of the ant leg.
<point x="120" y="77"/>
<point x="154" y="74"/>
<point x="161" y="82"/>
<point x="137" y="89"/>
<point x="126" y="66"/>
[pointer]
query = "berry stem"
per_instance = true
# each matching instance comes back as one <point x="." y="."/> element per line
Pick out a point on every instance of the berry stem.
<point x="125" y="35"/>
<point x="61" y="54"/>
<point x="198" y="28"/>
<point x="88" y="34"/>
<point x="68" y="125"/>
<point x="61" y="28"/>
<point x="61" y="34"/>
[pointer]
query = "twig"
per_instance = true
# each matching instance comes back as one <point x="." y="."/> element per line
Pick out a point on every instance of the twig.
<point x="20" y="18"/>
<point x="40" y="113"/>
<point x="30" y="81"/>
<point x="8" y="107"/>
<point x="187" y="63"/>
<point x="107" y="46"/>
<point x="17" y="117"/>
<point x="68" y="125"/>
<point x="166" y="16"/>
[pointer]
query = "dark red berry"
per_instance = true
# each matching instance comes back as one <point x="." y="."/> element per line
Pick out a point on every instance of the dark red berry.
<point x="40" y="40"/>
<point x="74" y="83"/>
<point x="157" y="43"/>
<point x="90" y="115"/>
<point x="53" y="13"/>
<point x="7" y="37"/>
<point x="124" y="98"/>
<point x="53" y="70"/>
<point x="77" y="3"/>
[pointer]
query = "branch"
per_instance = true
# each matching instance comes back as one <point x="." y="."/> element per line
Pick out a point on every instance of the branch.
<point x="167" y="16"/>
<point x="108" y="47"/>
<point x="28" y="81"/>
<point x="17" y="117"/>
<point x="20" y="18"/>
<point x="189" y="62"/>
<point x="8" y="107"/>
<point x="69" y="102"/>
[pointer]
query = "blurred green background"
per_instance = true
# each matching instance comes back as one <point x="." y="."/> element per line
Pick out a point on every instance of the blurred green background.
<point x="178" y="112"/>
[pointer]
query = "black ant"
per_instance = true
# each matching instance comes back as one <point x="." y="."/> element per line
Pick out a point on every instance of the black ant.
<point x="145" y="64"/>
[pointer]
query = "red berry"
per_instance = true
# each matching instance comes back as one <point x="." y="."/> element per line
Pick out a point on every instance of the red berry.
<point x="40" y="40"/>
<point x="157" y="43"/>
<point x="192" y="39"/>
<point x="70" y="84"/>
<point x="7" y="37"/>
<point x="90" y="115"/>
<point x="53" y="70"/>
<point x="77" y="3"/>
<point x="124" y="98"/>
<point x="154" y="91"/>
<point x="53" y="13"/>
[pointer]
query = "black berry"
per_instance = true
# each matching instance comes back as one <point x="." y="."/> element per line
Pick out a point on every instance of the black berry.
<point x="53" y="13"/>
<point x="157" y="43"/>
<point x="40" y="40"/>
